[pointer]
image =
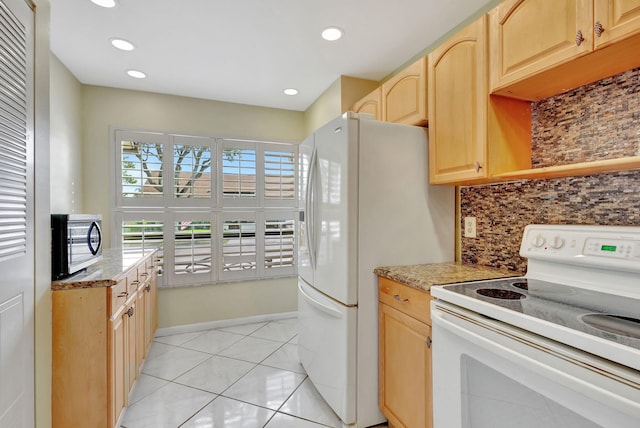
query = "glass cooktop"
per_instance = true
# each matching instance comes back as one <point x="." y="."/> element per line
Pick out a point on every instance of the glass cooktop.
<point x="611" y="317"/>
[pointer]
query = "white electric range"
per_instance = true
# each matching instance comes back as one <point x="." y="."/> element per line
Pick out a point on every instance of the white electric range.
<point x="559" y="347"/>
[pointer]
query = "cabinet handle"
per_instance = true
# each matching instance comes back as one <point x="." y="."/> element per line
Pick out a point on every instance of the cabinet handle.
<point x="598" y="29"/>
<point x="147" y="288"/>
<point x="400" y="299"/>
<point x="135" y="282"/>
<point x="478" y="166"/>
<point x="429" y="342"/>
<point x="579" y="38"/>
<point x="144" y="274"/>
<point x="123" y="294"/>
<point x="130" y="312"/>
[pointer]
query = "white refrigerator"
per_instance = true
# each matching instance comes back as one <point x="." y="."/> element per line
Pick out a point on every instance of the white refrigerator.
<point x="364" y="202"/>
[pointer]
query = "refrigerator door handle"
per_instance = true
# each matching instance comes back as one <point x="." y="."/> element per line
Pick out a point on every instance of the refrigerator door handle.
<point x="324" y="308"/>
<point x="310" y="210"/>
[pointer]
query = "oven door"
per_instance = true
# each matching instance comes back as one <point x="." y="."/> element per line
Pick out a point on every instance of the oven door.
<point x="487" y="374"/>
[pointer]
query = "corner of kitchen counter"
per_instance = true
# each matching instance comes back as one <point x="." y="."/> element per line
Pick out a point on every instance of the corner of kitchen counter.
<point x="424" y="276"/>
<point x="105" y="272"/>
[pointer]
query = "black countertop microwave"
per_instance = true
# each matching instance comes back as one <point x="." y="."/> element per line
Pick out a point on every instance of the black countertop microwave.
<point x="76" y="242"/>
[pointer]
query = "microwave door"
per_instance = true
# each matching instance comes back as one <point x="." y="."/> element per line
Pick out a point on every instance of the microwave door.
<point x="79" y="244"/>
<point x="94" y="238"/>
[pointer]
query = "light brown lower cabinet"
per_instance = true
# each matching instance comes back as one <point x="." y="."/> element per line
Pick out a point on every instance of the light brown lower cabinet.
<point x="101" y="336"/>
<point x="117" y="383"/>
<point x="405" y="394"/>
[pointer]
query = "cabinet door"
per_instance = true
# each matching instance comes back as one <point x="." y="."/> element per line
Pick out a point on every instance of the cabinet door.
<point x="130" y="331"/>
<point x="615" y="20"/>
<point x="405" y="395"/>
<point x="458" y="106"/>
<point x="404" y="96"/>
<point x="530" y="36"/>
<point x="151" y="311"/>
<point x="370" y="104"/>
<point x="141" y="317"/>
<point x="118" y="388"/>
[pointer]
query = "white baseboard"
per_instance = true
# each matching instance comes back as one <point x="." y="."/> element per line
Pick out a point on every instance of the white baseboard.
<point x="188" y="328"/>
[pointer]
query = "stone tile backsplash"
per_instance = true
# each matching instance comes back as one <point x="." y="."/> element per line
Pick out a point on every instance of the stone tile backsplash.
<point x="593" y="122"/>
<point x="596" y="121"/>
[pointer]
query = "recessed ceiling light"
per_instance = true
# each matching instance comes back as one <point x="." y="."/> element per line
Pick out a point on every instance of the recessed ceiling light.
<point x="332" y="33"/>
<point x="122" y="44"/>
<point x="105" y="3"/>
<point x="137" y="74"/>
<point x="290" y="91"/>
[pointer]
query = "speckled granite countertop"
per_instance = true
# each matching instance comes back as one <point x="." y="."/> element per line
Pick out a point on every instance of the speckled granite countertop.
<point x="425" y="275"/>
<point x="105" y="272"/>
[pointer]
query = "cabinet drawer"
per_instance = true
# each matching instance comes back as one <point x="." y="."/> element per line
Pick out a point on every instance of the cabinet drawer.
<point x="144" y="270"/>
<point x="117" y="296"/>
<point x="411" y="301"/>
<point x="132" y="280"/>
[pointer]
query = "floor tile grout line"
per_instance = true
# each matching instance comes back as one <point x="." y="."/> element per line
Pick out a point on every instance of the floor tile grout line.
<point x="296" y="416"/>
<point x="211" y="355"/>
<point x="198" y="411"/>
<point x="223" y="356"/>
<point x="225" y="348"/>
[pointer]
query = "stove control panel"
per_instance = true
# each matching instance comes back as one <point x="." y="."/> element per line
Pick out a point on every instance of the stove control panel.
<point x="603" y="246"/>
<point x="618" y="248"/>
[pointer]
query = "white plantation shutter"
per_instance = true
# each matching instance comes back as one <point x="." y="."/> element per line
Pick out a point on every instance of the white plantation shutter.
<point x="13" y="136"/>
<point x="223" y="209"/>
<point x="193" y="177"/>
<point x="279" y="175"/>
<point x="142" y="231"/>
<point x="239" y="245"/>
<point x="193" y="258"/>
<point x="279" y="244"/>
<point x="239" y="173"/>
<point x="140" y="171"/>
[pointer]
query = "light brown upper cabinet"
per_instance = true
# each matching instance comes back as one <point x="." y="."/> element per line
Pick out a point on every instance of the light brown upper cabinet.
<point x="404" y="96"/>
<point x="541" y="48"/>
<point x="472" y="136"/>
<point x="615" y="20"/>
<point x="370" y="104"/>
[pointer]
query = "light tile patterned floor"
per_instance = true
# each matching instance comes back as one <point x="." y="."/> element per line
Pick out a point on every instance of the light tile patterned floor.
<point x="245" y="376"/>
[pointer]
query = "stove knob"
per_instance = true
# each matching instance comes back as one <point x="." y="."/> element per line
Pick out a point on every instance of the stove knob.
<point x="539" y="241"/>
<point x="557" y="243"/>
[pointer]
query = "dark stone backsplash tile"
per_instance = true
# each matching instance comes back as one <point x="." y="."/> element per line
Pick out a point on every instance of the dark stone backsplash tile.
<point x="594" y="122"/>
<point x="503" y="210"/>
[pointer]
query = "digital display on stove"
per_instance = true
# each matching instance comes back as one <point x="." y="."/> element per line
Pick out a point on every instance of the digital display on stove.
<point x="611" y="248"/>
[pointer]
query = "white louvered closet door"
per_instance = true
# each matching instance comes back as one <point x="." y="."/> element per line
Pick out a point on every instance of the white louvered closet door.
<point x="16" y="214"/>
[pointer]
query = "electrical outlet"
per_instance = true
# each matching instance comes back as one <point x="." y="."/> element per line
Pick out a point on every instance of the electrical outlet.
<point x="469" y="227"/>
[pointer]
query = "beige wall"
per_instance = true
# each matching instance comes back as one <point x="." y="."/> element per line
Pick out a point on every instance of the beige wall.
<point x="353" y="89"/>
<point x="65" y="140"/>
<point x="104" y="108"/>
<point x="326" y="107"/>
<point x="335" y="100"/>
<point x="226" y="301"/>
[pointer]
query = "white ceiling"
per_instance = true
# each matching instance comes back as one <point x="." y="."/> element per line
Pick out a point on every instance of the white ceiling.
<point x="246" y="51"/>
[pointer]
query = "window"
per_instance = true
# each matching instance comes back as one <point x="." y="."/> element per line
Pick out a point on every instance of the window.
<point x="221" y="209"/>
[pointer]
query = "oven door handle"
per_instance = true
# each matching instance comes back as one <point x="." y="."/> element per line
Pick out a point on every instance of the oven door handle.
<point x="571" y="368"/>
